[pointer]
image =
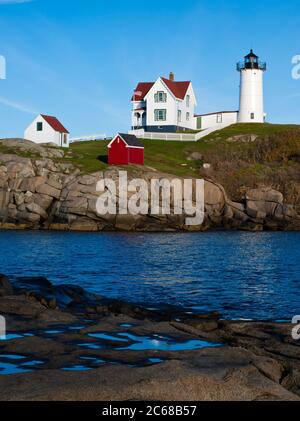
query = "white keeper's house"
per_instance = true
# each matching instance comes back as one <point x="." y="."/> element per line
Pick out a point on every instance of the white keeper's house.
<point x="168" y="106"/>
<point x="47" y="129"/>
<point x="164" y="106"/>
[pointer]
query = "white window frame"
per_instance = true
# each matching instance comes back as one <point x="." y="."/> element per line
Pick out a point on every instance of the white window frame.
<point x="160" y="115"/>
<point x="188" y="100"/>
<point x="187" y="116"/>
<point x="219" y="118"/>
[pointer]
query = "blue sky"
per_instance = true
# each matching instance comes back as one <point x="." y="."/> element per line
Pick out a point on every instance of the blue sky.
<point x="80" y="60"/>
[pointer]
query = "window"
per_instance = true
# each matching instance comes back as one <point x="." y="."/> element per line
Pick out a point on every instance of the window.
<point x="160" y="115"/>
<point x="39" y="127"/>
<point x="187" y="116"/>
<point x="160" y="97"/>
<point x="179" y="116"/>
<point x="65" y="139"/>
<point x="252" y="116"/>
<point x="188" y="98"/>
<point x="219" y="118"/>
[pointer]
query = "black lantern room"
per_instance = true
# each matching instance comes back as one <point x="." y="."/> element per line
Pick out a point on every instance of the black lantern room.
<point x="251" y="61"/>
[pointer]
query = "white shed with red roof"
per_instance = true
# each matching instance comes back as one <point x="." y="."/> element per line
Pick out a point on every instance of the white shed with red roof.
<point x="47" y="129"/>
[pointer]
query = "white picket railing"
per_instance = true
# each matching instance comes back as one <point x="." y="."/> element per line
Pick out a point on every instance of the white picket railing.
<point x="179" y="137"/>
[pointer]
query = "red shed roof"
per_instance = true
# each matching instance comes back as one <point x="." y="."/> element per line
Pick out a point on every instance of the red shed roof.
<point x="55" y="123"/>
<point x="179" y="89"/>
<point x="131" y="140"/>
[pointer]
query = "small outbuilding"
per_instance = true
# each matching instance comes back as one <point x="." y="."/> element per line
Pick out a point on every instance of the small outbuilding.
<point x="125" y="149"/>
<point x="47" y="129"/>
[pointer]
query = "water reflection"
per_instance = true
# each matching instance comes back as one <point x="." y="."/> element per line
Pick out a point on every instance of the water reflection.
<point x="241" y="275"/>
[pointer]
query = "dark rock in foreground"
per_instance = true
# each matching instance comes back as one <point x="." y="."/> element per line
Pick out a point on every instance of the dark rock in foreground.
<point x="253" y="360"/>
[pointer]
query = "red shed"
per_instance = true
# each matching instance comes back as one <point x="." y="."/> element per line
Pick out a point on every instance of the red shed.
<point x="125" y="149"/>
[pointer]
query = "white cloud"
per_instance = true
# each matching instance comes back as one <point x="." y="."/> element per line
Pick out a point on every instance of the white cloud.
<point x="17" y="106"/>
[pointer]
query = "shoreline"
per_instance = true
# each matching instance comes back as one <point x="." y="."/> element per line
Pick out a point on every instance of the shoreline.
<point x="112" y="350"/>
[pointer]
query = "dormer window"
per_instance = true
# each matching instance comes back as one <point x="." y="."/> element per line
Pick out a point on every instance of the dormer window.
<point x="188" y="99"/>
<point x="160" y="97"/>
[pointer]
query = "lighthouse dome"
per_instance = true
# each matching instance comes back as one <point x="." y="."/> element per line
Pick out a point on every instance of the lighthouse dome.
<point x="251" y="61"/>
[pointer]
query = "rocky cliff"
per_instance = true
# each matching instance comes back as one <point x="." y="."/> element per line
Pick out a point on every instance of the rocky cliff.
<point x="40" y="190"/>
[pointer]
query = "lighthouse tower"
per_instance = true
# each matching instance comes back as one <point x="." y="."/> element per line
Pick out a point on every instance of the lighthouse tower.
<point x="251" y="89"/>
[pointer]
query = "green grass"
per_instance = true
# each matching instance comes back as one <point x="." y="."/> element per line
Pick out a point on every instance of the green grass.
<point x="250" y="128"/>
<point x="172" y="157"/>
<point x="6" y="150"/>
<point x="89" y="156"/>
<point x="273" y="159"/>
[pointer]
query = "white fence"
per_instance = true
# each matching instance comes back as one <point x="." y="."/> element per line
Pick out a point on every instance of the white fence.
<point x="178" y="137"/>
<point x="89" y="138"/>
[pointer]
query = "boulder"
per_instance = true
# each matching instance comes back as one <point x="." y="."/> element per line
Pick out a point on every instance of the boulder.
<point x="35" y="208"/>
<point x="195" y="156"/>
<point x="4" y="199"/>
<point x="48" y="190"/>
<point x="5" y="286"/>
<point x="31" y="183"/>
<point x="28" y="216"/>
<point x="84" y="225"/>
<point x="213" y="194"/>
<point x="77" y="206"/>
<point x="248" y="138"/>
<point x="87" y="180"/>
<point x="20" y="306"/>
<point x="256" y="211"/>
<point x="266" y="194"/>
<point x="53" y="182"/>
<point x="42" y="200"/>
<point x="37" y="283"/>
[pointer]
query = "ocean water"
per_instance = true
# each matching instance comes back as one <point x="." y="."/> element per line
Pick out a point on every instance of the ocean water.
<point x="242" y="275"/>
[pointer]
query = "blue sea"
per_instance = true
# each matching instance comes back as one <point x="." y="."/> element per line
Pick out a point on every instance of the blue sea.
<point x="242" y="275"/>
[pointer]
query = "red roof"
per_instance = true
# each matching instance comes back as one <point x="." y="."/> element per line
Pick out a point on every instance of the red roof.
<point x="141" y="91"/>
<point x="179" y="89"/>
<point x="55" y="123"/>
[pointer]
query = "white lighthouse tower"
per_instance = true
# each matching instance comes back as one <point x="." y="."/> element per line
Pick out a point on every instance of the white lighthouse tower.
<point x="251" y="89"/>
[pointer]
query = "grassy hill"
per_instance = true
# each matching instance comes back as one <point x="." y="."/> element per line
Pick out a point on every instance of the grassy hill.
<point x="273" y="158"/>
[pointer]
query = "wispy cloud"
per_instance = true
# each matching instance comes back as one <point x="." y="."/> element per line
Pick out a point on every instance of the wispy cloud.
<point x="293" y="96"/>
<point x="17" y="106"/>
<point x="14" y="1"/>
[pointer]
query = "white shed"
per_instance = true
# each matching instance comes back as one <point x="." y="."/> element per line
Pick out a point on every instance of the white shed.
<point x="47" y="129"/>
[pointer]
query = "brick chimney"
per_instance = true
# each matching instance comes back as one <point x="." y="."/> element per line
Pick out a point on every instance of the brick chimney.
<point x="171" y="77"/>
